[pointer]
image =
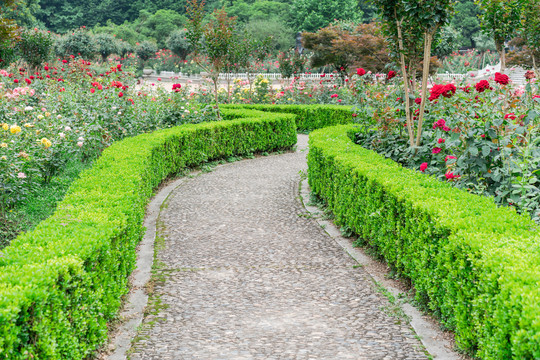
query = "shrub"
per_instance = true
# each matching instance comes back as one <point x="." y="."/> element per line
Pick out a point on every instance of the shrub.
<point x="475" y="265"/>
<point x="308" y="117"/>
<point x="178" y="44"/>
<point x="146" y="50"/>
<point x="78" y="43"/>
<point x="35" y="47"/>
<point x="61" y="283"/>
<point x="106" y="45"/>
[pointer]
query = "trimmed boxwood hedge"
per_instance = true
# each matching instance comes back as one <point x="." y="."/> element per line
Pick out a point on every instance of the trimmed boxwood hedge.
<point x="475" y="265"/>
<point x="308" y="117"/>
<point x="61" y="283"/>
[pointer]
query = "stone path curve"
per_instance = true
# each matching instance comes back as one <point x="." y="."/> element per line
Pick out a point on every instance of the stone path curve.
<point x="246" y="275"/>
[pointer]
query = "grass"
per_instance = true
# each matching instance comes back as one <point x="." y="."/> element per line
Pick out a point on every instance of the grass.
<point x="40" y="205"/>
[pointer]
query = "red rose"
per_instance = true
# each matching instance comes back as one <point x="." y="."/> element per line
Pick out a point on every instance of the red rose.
<point x="360" y="72"/>
<point x="92" y="90"/>
<point x="451" y="176"/>
<point x="16" y="81"/>
<point x="120" y="94"/>
<point x="511" y="116"/>
<point x="423" y="167"/>
<point x="436" y="150"/>
<point x="482" y="85"/>
<point x="448" y="157"/>
<point x="64" y="61"/>
<point x="391" y="74"/>
<point x="441" y="141"/>
<point x="28" y="81"/>
<point x="501" y="79"/>
<point x="445" y="90"/>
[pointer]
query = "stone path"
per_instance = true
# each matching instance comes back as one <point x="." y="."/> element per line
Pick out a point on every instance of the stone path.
<point x="246" y="275"/>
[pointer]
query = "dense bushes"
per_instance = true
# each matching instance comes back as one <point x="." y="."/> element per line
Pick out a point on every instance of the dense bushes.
<point x="62" y="283"/>
<point x="308" y="117"/>
<point x="475" y="265"/>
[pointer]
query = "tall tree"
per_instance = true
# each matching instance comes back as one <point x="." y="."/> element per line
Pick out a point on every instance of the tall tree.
<point x="312" y="15"/>
<point x="501" y="20"/>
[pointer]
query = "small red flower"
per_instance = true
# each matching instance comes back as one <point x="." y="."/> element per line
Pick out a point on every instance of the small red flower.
<point x="510" y="116"/>
<point x="423" y="167"/>
<point x="441" y="141"/>
<point x="360" y="72"/>
<point x="64" y="61"/>
<point x="391" y="74"/>
<point x="28" y="81"/>
<point x="92" y="90"/>
<point x="482" y="85"/>
<point x="448" y="157"/>
<point x="436" y="150"/>
<point x="120" y="94"/>
<point x="418" y="101"/>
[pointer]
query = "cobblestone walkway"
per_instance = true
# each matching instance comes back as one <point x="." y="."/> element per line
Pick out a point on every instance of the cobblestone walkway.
<point x="248" y="276"/>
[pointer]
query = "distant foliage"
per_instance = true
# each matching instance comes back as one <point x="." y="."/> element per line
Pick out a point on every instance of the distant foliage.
<point x="146" y="50"/>
<point x="35" y="47"/>
<point x="78" y="43"/>
<point x="177" y="42"/>
<point x="106" y="45"/>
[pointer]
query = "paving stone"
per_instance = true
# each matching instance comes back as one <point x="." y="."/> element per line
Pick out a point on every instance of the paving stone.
<point x="247" y="276"/>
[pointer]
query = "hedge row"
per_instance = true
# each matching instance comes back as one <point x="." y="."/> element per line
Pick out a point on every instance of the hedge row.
<point x="476" y="265"/>
<point x="61" y="283"/>
<point x="308" y="117"/>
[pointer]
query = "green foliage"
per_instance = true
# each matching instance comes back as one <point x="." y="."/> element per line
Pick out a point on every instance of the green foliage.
<point x="146" y="50"/>
<point x="311" y="15"/>
<point x="160" y="25"/>
<point x="473" y="264"/>
<point x="79" y="43"/>
<point x="61" y="284"/>
<point x="177" y="42"/>
<point x="308" y="117"/>
<point x="281" y="35"/>
<point x="465" y="20"/>
<point x="291" y="63"/>
<point x="106" y="45"/>
<point x="35" y="47"/>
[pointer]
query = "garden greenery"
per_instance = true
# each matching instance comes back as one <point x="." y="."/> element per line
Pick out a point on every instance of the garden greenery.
<point x="475" y="265"/>
<point x="62" y="283"/>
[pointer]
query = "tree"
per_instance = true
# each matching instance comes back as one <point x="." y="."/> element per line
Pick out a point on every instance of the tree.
<point x="35" y="47"/>
<point x="281" y="36"/>
<point x="145" y="51"/>
<point x="530" y="29"/>
<point x="290" y="63"/>
<point x="344" y="44"/>
<point x="423" y="17"/>
<point x="78" y="43"/>
<point x="9" y="32"/>
<point x="177" y="42"/>
<point x="311" y="15"/>
<point x="160" y="25"/>
<point x="211" y="42"/>
<point x="500" y="19"/>
<point x="106" y="45"/>
<point x="466" y="22"/>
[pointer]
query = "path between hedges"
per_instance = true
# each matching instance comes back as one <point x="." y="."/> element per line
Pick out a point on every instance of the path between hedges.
<point x="246" y="275"/>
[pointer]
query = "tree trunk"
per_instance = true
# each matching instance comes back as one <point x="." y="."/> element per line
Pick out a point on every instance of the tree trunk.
<point x="406" y="82"/>
<point x="428" y="37"/>
<point x="216" y="79"/>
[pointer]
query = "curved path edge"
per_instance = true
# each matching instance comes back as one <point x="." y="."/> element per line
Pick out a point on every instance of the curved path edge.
<point x="132" y="314"/>
<point x="433" y="339"/>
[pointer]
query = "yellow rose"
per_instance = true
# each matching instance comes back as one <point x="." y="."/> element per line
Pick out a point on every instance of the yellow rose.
<point x="38" y="132"/>
<point x="5" y="126"/>
<point x="15" y="129"/>
<point x="46" y="142"/>
<point x="3" y="145"/>
<point x="47" y="114"/>
<point x="40" y="117"/>
<point x="4" y="158"/>
<point x="28" y="125"/>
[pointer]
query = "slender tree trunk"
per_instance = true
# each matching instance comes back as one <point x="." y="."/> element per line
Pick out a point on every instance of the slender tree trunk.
<point x="406" y="82"/>
<point x="428" y="37"/>
<point x="216" y="79"/>
<point x="502" y="55"/>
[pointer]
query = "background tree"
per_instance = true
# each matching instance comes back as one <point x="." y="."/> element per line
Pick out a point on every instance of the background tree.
<point x="530" y="30"/>
<point x="311" y="15"/>
<point x="35" y="47"/>
<point x="466" y="23"/>
<point x="106" y="45"/>
<point x="291" y="63"/>
<point x="344" y="45"/>
<point x="79" y="43"/>
<point x="9" y="32"/>
<point x="501" y="20"/>
<point x="210" y="42"/>
<point x="145" y="51"/>
<point x="178" y="43"/>
<point x="281" y="35"/>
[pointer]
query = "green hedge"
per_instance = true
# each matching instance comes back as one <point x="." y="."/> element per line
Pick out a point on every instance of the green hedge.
<point x="475" y="265"/>
<point x="308" y="117"/>
<point x="61" y="283"/>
